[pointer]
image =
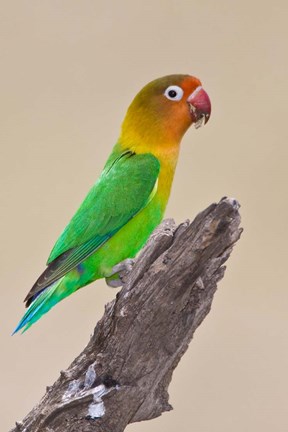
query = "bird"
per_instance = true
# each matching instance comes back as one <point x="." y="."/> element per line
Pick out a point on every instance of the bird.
<point x="128" y="200"/>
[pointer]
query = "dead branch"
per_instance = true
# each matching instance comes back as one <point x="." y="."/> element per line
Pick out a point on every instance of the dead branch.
<point x="122" y="375"/>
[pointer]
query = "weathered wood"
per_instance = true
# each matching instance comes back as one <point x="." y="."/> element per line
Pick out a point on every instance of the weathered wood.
<point x="122" y="375"/>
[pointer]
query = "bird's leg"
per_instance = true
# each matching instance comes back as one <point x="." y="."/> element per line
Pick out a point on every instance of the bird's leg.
<point x="119" y="273"/>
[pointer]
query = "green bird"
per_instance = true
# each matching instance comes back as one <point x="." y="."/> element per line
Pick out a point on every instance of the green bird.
<point x="128" y="200"/>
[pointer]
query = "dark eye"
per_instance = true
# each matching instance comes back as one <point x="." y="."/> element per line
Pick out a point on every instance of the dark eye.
<point x="174" y="93"/>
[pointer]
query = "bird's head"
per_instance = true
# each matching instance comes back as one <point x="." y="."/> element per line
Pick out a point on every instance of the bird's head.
<point x="165" y="108"/>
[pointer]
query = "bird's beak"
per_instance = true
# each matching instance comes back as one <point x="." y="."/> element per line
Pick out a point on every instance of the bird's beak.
<point x="199" y="107"/>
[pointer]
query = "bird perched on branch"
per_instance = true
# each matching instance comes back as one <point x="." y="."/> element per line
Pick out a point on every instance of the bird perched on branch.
<point x="128" y="200"/>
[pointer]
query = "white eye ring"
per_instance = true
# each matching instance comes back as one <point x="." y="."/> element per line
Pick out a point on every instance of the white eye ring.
<point x="174" y="93"/>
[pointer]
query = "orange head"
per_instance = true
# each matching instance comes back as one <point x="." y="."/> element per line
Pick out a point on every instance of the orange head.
<point x="164" y="109"/>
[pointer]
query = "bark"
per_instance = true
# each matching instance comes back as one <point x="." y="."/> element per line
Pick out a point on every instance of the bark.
<point x="123" y="374"/>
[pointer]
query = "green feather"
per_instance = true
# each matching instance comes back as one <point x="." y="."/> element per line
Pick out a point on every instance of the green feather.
<point x="125" y="187"/>
<point x="122" y="190"/>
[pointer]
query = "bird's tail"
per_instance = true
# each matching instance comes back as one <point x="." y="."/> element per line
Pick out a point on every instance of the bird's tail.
<point x="42" y="304"/>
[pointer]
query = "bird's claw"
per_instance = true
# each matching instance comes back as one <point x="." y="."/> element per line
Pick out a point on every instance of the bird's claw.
<point x="119" y="273"/>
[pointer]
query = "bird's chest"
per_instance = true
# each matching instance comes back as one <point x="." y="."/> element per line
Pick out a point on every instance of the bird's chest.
<point x="165" y="180"/>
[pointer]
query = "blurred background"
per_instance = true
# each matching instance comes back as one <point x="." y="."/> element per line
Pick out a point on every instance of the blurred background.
<point x="69" y="70"/>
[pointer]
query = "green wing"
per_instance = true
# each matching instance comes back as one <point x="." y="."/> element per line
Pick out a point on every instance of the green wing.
<point x="124" y="188"/>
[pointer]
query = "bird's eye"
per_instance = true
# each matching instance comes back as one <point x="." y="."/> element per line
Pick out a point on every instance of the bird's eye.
<point x="174" y="93"/>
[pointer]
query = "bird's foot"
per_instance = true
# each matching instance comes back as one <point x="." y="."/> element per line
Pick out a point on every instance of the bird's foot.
<point x="119" y="273"/>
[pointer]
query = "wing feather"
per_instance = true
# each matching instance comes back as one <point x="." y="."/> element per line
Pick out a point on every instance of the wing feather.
<point x="125" y="187"/>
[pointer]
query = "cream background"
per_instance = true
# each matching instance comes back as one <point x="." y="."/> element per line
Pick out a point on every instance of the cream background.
<point x="68" y="71"/>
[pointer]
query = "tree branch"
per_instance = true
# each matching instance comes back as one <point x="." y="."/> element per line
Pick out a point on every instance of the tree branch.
<point x="122" y="375"/>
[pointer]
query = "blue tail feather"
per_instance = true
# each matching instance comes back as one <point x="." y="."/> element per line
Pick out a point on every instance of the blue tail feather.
<point x="37" y="308"/>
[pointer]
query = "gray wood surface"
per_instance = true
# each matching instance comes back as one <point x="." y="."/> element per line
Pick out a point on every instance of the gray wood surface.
<point x="123" y="374"/>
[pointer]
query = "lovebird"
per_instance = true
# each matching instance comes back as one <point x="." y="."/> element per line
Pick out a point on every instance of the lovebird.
<point x="129" y="198"/>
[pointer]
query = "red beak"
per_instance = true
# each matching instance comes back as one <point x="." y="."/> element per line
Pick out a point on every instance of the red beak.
<point x="199" y="106"/>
